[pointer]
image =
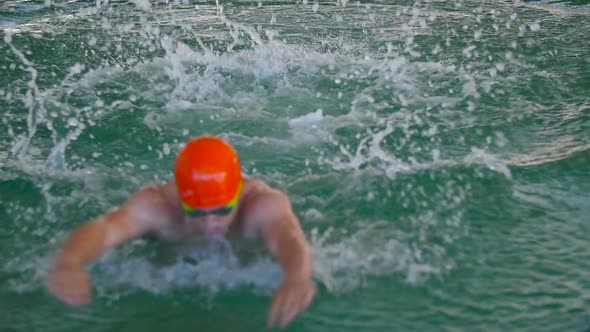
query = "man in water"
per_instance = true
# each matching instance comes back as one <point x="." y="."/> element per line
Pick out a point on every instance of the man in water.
<point x="209" y="197"/>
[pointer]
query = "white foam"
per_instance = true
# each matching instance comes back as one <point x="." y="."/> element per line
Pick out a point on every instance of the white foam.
<point x="313" y="215"/>
<point x="343" y="263"/>
<point x="143" y="4"/>
<point x="492" y="162"/>
<point x="311" y="119"/>
<point x="309" y="128"/>
<point x="205" y="268"/>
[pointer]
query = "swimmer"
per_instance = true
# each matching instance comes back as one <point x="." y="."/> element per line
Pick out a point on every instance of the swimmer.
<point x="208" y="197"/>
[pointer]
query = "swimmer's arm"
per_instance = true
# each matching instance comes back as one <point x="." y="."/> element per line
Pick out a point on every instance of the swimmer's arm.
<point x="95" y="237"/>
<point x="285" y="239"/>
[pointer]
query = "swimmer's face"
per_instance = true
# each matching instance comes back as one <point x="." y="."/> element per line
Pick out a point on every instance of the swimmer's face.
<point x="213" y="221"/>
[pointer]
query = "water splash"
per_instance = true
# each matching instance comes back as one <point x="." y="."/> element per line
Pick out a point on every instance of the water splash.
<point x="213" y="267"/>
<point x="33" y="101"/>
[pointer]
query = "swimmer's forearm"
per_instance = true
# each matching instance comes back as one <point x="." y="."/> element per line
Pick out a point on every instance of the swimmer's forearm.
<point x="297" y="261"/>
<point x="83" y="245"/>
<point x="294" y="254"/>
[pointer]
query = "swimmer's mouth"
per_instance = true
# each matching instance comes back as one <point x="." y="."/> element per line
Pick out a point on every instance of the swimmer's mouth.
<point x="214" y="231"/>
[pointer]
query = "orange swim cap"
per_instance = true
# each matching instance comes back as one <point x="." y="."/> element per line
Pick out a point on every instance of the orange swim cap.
<point x="207" y="173"/>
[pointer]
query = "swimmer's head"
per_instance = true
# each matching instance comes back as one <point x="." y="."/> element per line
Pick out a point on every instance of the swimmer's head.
<point x="208" y="179"/>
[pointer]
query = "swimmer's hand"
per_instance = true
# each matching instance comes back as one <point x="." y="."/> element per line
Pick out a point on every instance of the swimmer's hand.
<point x="70" y="283"/>
<point x="289" y="299"/>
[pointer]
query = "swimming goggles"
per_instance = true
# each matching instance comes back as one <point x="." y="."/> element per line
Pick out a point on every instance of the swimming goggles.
<point x="220" y="211"/>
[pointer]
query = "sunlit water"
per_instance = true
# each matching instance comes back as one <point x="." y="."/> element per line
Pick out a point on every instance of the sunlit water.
<point x="437" y="154"/>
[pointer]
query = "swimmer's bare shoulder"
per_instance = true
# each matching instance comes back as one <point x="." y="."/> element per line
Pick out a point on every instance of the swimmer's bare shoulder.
<point x="261" y="203"/>
<point x="146" y="210"/>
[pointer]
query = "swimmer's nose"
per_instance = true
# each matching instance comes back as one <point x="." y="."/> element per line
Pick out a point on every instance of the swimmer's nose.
<point x="211" y="219"/>
<point x="212" y="225"/>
